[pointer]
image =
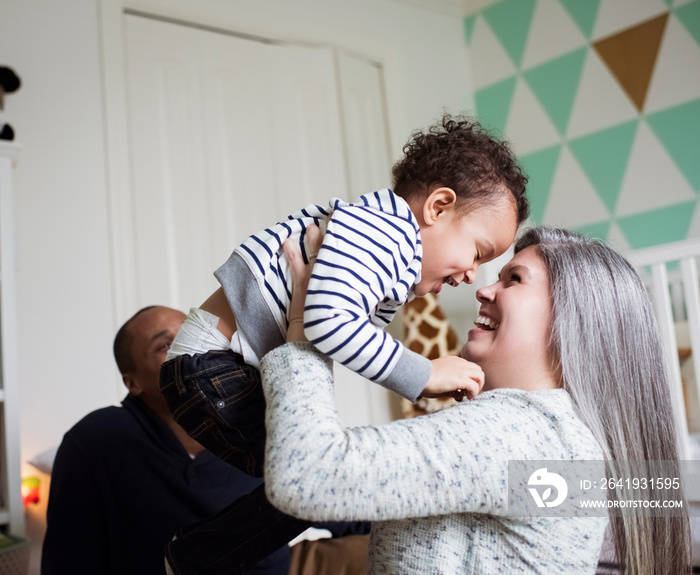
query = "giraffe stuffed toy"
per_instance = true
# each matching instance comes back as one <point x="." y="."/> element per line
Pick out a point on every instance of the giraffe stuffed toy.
<point x="427" y="332"/>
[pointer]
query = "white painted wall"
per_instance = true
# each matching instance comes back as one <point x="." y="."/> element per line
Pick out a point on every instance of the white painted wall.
<point x="63" y="279"/>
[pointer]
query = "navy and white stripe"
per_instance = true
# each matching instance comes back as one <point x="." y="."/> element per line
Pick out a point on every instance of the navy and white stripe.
<point x="366" y="269"/>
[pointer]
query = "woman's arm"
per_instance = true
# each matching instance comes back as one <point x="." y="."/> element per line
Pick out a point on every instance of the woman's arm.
<point x="314" y="469"/>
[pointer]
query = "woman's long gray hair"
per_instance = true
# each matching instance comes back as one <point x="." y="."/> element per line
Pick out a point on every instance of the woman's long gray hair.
<point x="606" y="340"/>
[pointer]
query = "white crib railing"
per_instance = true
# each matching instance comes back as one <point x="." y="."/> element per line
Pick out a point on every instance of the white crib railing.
<point x="676" y="297"/>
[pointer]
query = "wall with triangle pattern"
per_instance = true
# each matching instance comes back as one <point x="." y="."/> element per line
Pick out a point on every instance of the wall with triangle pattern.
<point x="601" y="101"/>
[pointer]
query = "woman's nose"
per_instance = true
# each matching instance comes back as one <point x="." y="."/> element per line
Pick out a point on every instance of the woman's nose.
<point x="486" y="294"/>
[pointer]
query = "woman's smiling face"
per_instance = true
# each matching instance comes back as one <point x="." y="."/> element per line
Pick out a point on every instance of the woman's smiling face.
<point x="511" y="339"/>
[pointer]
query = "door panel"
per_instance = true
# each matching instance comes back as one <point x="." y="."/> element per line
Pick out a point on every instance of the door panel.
<point x="228" y="135"/>
<point x="237" y="134"/>
<point x="364" y="117"/>
<point x="307" y="134"/>
<point x="173" y="257"/>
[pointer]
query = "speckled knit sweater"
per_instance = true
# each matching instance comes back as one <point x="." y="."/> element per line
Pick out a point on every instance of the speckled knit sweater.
<point x="435" y="486"/>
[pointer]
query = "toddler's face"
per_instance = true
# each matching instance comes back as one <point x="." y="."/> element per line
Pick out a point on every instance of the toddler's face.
<point x="456" y="245"/>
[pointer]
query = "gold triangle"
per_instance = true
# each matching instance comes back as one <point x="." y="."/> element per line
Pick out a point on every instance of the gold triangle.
<point x="631" y="55"/>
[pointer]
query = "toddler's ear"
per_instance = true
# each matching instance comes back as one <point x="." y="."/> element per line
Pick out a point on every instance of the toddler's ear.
<point x="439" y="201"/>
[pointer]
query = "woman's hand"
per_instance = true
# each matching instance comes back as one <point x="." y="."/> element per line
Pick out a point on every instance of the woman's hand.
<point x="301" y="273"/>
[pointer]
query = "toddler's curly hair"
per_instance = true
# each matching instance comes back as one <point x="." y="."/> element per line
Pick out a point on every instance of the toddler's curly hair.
<point x="460" y="154"/>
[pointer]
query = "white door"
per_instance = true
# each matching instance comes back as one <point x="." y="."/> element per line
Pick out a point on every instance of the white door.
<point x="173" y="252"/>
<point x="228" y="135"/>
<point x="307" y="138"/>
<point x="365" y="119"/>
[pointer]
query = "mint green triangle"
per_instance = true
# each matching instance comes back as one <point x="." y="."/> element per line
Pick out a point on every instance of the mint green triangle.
<point x="656" y="227"/>
<point x="689" y="15"/>
<point x="493" y="104"/>
<point x="668" y="3"/>
<point x="468" y="24"/>
<point x="583" y="12"/>
<point x="540" y="168"/>
<point x="555" y="83"/>
<point x="510" y="21"/>
<point x="599" y="230"/>
<point x="678" y="129"/>
<point x="603" y="156"/>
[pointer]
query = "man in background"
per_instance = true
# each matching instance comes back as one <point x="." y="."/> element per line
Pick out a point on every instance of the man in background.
<point x="125" y="479"/>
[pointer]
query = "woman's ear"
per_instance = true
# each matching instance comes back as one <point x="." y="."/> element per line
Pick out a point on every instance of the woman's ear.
<point x="440" y="201"/>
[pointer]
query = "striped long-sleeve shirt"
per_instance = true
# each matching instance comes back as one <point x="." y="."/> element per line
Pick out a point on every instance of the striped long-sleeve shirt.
<point x="366" y="269"/>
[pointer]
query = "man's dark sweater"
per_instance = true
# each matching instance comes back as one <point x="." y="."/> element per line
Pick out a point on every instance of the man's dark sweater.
<point x="121" y="485"/>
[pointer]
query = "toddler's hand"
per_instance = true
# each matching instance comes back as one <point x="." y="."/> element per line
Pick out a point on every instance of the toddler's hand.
<point x="454" y="376"/>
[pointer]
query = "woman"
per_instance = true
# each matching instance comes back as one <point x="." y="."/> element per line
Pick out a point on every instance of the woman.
<point x="573" y="371"/>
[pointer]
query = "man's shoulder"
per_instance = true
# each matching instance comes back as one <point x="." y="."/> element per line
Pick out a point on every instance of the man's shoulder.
<point x="104" y="430"/>
<point x="112" y="420"/>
